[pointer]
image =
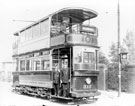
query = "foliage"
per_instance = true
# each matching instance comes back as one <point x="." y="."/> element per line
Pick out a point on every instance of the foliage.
<point x="129" y="43"/>
<point x="112" y="76"/>
<point x="113" y="54"/>
<point x="112" y="72"/>
<point x="112" y="79"/>
<point x="103" y="59"/>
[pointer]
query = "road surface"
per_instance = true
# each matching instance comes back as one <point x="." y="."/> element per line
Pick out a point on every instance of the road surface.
<point x="9" y="98"/>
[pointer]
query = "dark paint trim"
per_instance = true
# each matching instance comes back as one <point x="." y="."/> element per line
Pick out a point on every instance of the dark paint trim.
<point x="85" y="73"/>
<point x="34" y="73"/>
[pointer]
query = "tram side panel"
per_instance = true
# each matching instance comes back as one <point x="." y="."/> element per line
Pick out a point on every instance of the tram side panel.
<point x="34" y="79"/>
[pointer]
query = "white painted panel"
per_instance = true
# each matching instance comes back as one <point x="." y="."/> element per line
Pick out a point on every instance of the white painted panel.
<point x="36" y="44"/>
<point x="58" y="40"/>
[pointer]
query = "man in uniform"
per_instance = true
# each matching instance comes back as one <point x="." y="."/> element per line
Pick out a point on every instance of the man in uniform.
<point x="56" y="79"/>
<point x="64" y="74"/>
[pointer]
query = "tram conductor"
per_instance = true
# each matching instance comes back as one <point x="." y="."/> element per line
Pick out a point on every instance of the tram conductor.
<point x="64" y="75"/>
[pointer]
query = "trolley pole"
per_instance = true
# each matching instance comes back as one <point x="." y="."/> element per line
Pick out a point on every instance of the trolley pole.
<point x="119" y="52"/>
<point x="24" y="20"/>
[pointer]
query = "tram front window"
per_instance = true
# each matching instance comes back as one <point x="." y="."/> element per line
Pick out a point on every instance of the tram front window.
<point x="89" y="58"/>
<point x="85" y="58"/>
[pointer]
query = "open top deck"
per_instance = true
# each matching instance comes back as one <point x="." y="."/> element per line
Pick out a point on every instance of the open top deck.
<point x="77" y="14"/>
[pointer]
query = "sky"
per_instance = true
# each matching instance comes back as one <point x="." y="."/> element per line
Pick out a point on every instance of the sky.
<point x="34" y="10"/>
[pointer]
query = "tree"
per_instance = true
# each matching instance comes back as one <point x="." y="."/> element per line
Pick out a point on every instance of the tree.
<point x="102" y="58"/>
<point x="112" y="78"/>
<point x="113" y="54"/>
<point x="129" y="43"/>
<point x="128" y="46"/>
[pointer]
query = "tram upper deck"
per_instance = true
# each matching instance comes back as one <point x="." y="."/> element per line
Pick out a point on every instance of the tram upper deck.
<point x="51" y="30"/>
<point x="71" y="20"/>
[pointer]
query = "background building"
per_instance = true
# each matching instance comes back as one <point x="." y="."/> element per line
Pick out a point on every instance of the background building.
<point x="6" y="69"/>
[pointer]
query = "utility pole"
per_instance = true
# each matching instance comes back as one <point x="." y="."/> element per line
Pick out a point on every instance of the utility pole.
<point x="119" y="52"/>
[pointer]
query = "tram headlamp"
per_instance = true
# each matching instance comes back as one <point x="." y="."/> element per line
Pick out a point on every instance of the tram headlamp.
<point x="88" y="80"/>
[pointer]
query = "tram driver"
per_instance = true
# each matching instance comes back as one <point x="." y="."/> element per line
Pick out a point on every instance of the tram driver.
<point x="56" y="79"/>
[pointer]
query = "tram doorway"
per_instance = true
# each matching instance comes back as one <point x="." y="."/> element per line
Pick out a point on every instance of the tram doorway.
<point x="61" y="59"/>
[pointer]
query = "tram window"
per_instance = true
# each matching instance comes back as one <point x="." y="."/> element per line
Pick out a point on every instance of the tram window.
<point x="36" y="30"/>
<point x="36" y="64"/>
<point x="28" y="65"/>
<point x="17" y="65"/>
<point x="22" y="65"/>
<point x="86" y="57"/>
<point x="55" y="62"/>
<point x="78" y="58"/>
<point x="55" y="56"/>
<point x="45" y="64"/>
<point x="89" y="57"/>
<point x="44" y="27"/>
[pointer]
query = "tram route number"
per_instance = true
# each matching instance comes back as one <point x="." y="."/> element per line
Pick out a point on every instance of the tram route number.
<point x="86" y="86"/>
<point x="89" y="39"/>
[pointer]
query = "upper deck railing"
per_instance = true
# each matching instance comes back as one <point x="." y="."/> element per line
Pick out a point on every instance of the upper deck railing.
<point x="76" y="29"/>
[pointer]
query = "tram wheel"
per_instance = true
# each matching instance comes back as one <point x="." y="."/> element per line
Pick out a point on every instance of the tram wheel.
<point x="48" y="97"/>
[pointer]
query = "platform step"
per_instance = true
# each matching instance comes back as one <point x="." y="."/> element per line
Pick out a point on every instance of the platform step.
<point x="61" y="97"/>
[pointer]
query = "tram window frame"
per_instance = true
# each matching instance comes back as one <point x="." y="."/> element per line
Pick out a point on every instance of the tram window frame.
<point x="90" y="57"/>
<point x="22" y="65"/>
<point x="36" y="65"/>
<point x="39" y="66"/>
<point x="78" y="58"/>
<point x="45" y="64"/>
<point x="29" y="66"/>
<point x="16" y="65"/>
<point x="55" y="59"/>
<point x="97" y="59"/>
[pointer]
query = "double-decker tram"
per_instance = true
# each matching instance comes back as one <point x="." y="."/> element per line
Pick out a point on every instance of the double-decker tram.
<point x="57" y="56"/>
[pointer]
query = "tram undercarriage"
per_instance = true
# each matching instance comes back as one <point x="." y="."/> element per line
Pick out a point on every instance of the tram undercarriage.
<point x="49" y="94"/>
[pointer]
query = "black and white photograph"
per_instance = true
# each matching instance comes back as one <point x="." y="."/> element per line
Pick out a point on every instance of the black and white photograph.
<point x="67" y="53"/>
